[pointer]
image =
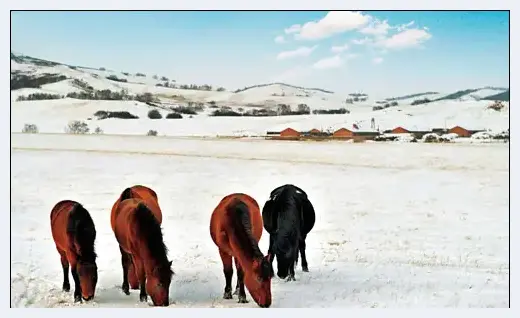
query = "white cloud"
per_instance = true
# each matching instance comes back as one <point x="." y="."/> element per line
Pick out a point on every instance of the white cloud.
<point x="363" y="41"/>
<point x="377" y="60"/>
<point x="329" y="62"/>
<point x="376" y="28"/>
<point x="339" y="49"/>
<point x="293" y="29"/>
<point x="405" y="39"/>
<point x="334" y="22"/>
<point x="403" y="27"/>
<point x="279" y="39"/>
<point x="299" y="52"/>
<point x="351" y="56"/>
<point x="291" y="74"/>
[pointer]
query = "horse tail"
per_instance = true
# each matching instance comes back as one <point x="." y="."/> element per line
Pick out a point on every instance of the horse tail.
<point x="126" y="194"/>
<point x="81" y="228"/>
<point x="239" y="212"/>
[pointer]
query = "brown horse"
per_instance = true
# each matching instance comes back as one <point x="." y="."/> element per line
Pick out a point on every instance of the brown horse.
<point x="236" y="227"/>
<point x="74" y="234"/>
<point x="139" y="235"/>
<point x="150" y="198"/>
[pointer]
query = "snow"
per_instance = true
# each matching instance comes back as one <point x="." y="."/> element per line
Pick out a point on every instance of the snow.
<point x="398" y="225"/>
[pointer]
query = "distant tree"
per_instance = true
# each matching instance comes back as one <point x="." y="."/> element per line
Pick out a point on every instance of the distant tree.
<point x="154" y="114"/>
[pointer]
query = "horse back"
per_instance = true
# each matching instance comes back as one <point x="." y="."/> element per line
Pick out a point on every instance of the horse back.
<point x="147" y="195"/>
<point x="123" y="223"/>
<point x="59" y="218"/>
<point x="221" y="220"/>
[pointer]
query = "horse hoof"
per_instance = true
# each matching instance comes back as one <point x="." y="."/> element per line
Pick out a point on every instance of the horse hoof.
<point x="66" y="288"/>
<point x="143" y="298"/>
<point x="227" y="295"/>
<point x="125" y="289"/>
<point x="305" y="269"/>
<point x="290" y="279"/>
<point x="77" y="298"/>
<point x="242" y="300"/>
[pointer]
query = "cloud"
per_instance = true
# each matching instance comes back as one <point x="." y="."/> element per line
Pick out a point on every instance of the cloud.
<point x="406" y="39"/>
<point x="351" y="56"/>
<point x="339" y="49"/>
<point x="329" y="62"/>
<point x="279" y="39"/>
<point x="299" y="52"/>
<point x="403" y="27"/>
<point x="292" y="74"/>
<point x="334" y="22"/>
<point x="293" y="29"/>
<point x="376" y="28"/>
<point x="363" y="41"/>
<point x="377" y="60"/>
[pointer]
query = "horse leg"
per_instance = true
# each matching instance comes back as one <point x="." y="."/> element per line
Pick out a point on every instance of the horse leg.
<point x="305" y="267"/>
<point x="125" y="259"/>
<point x="141" y="275"/>
<point x="291" y="273"/>
<point x="270" y="250"/>
<point x="65" y="268"/>
<point x="227" y="261"/>
<point x="132" y="276"/>
<point x="241" y="292"/>
<point x="77" y="286"/>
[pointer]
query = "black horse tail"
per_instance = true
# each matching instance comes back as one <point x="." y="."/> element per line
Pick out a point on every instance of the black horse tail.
<point x="127" y="194"/>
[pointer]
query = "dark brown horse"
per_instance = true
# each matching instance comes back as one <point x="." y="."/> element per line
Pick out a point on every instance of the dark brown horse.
<point x="139" y="235"/>
<point x="236" y="227"/>
<point x="150" y="198"/>
<point x="74" y="234"/>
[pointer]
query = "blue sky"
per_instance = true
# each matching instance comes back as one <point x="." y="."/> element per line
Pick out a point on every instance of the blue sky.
<point x="376" y="52"/>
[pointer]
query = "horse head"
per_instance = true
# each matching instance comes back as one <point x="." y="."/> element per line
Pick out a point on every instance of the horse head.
<point x="258" y="281"/>
<point x="87" y="272"/>
<point x="158" y="284"/>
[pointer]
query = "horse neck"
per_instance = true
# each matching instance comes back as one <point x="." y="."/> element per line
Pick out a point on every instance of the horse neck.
<point x="149" y="262"/>
<point x="245" y="261"/>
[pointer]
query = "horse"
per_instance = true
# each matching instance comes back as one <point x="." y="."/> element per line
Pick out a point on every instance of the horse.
<point x="150" y="198"/>
<point x="288" y="217"/>
<point x="139" y="235"/>
<point x="236" y="228"/>
<point x="74" y="234"/>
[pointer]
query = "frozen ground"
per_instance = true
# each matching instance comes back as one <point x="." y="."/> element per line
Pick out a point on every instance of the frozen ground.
<point x="400" y="225"/>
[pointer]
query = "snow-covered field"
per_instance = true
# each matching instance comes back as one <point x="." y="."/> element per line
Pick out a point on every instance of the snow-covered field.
<point x="398" y="225"/>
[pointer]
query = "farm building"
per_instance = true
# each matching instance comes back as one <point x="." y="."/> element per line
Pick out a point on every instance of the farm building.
<point x="289" y="132"/>
<point x="462" y="132"/>
<point x="400" y="130"/>
<point x="343" y="133"/>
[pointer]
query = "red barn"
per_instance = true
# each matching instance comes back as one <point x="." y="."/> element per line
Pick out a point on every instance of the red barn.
<point x="343" y="133"/>
<point x="400" y="130"/>
<point x="462" y="132"/>
<point x="289" y="132"/>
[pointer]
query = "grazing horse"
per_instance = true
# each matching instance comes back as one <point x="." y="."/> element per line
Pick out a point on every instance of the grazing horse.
<point x="236" y="228"/>
<point x="288" y="217"/>
<point x="150" y="198"/>
<point x="139" y="235"/>
<point x="74" y="234"/>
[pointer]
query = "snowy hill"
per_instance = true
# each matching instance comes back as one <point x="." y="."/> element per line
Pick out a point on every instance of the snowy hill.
<point x="50" y="94"/>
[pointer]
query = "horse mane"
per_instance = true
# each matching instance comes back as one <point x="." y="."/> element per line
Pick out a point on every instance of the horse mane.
<point x="239" y="214"/>
<point x="150" y="229"/>
<point x="287" y="204"/>
<point x="81" y="227"/>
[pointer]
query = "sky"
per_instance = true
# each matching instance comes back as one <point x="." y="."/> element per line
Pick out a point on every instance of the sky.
<point x="381" y="53"/>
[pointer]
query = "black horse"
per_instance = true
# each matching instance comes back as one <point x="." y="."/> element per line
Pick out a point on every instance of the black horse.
<point x="288" y="217"/>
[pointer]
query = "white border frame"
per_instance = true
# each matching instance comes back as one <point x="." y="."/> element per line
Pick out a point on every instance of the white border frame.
<point x="364" y="5"/>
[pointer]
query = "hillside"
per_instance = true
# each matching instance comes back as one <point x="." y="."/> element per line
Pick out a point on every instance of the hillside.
<point x="50" y="94"/>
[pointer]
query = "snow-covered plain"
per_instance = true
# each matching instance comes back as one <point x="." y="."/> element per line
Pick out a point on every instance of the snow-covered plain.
<point x="401" y="225"/>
